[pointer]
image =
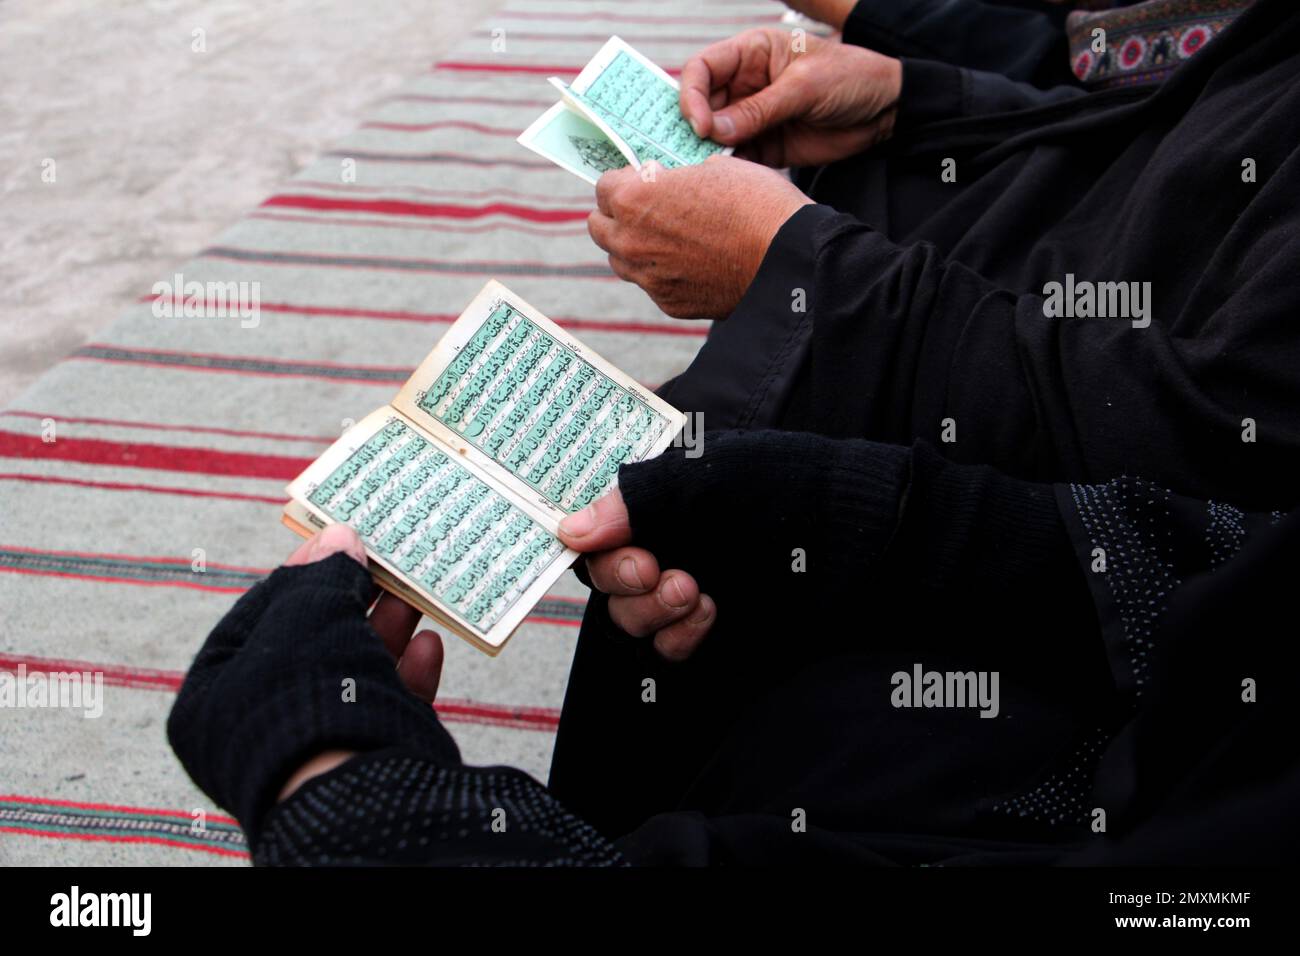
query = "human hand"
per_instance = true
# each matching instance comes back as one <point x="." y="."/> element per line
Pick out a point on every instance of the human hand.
<point x="782" y="107"/>
<point x="296" y="668"/>
<point x="692" y="238"/>
<point x="644" y="602"/>
<point x="419" y="657"/>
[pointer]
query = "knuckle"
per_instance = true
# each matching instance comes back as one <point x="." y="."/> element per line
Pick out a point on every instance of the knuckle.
<point x="628" y="616"/>
<point x="675" y="645"/>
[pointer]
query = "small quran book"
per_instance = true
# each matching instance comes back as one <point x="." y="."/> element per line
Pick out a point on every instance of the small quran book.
<point x="458" y="486"/>
<point x="621" y="110"/>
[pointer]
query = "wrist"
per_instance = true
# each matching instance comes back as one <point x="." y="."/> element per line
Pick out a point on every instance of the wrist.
<point x="320" y="764"/>
<point x="770" y="218"/>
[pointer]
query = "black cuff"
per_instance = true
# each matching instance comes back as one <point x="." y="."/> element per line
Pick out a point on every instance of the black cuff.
<point x="879" y="25"/>
<point x="743" y="374"/>
<point x="930" y="91"/>
<point x="969" y="527"/>
<point x="759" y="495"/>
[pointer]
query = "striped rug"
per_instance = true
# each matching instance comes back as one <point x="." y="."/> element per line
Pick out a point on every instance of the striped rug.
<point x="124" y="539"/>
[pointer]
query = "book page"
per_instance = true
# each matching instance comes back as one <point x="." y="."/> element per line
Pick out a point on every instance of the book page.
<point x="572" y="142"/>
<point x="637" y="102"/>
<point x="525" y="400"/>
<point x="435" y="524"/>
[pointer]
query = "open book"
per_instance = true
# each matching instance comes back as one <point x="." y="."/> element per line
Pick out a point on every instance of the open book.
<point x="458" y="486"/>
<point x="621" y="109"/>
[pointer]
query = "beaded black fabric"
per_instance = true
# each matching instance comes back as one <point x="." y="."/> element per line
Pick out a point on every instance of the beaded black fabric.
<point x="395" y="807"/>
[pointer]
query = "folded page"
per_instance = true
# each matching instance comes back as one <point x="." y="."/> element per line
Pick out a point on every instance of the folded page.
<point x="572" y="142"/>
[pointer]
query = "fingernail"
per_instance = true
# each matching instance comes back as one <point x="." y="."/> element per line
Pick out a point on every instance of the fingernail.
<point x="724" y="126"/>
<point x="580" y="523"/>
<point x="698" y="127"/>
<point x="627" y="574"/>
<point x="671" y="593"/>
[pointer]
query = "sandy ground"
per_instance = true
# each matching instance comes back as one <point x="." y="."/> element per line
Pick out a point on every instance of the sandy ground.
<point x="124" y="149"/>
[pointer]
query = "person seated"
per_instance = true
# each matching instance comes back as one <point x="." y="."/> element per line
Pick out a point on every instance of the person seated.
<point x="954" y="675"/>
<point x="1067" y="290"/>
<point x="946" y="492"/>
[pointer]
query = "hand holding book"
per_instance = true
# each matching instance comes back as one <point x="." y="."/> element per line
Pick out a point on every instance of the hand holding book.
<point x="457" y="488"/>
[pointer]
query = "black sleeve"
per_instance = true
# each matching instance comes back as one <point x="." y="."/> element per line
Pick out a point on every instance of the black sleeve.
<point x="893" y="340"/>
<point x="294" y="670"/>
<point x="939" y="91"/>
<point x="1026" y="45"/>
<point x="861" y="512"/>
<point x="397" y="807"/>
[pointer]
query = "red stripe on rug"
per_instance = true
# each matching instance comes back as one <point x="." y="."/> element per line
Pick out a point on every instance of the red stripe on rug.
<point x="489" y="194"/>
<point x="690" y="329"/>
<point x="183" y="815"/>
<point x="147" y="489"/>
<point x="109" y="579"/>
<point x="443" y="227"/>
<point x="442" y="124"/>
<point x="457" y="100"/>
<point x="537" y="68"/>
<point x="158" y="426"/>
<point x="393" y="207"/>
<point x="169" y="560"/>
<point x="297" y="259"/>
<point x="632" y="18"/>
<point x="600" y="38"/>
<point x="306" y="369"/>
<point x="111" y="838"/>
<point x="204" y="461"/>
<point x="137" y="678"/>
<point x="450" y="709"/>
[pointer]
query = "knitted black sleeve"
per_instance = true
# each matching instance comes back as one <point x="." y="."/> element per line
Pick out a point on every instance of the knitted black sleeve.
<point x="853" y="508"/>
<point x="397" y="807"/>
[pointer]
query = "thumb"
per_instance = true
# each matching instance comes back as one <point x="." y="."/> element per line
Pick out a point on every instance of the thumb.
<point x="745" y="119"/>
<point x="601" y="525"/>
<point x="330" y="541"/>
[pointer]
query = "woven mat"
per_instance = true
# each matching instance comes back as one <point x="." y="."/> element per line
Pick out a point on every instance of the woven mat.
<point x="124" y="539"/>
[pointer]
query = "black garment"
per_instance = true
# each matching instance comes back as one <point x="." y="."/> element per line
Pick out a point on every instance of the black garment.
<point x="288" y="656"/>
<point x="294" y="670"/>
<point x="925" y="298"/>
<point x="267" y="691"/>
<point x="770" y="716"/>
<point x="758" y="729"/>
<point x="787" y="703"/>
<point x="1021" y="43"/>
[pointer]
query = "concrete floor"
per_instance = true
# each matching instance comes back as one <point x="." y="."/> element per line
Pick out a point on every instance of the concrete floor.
<point x="157" y="147"/>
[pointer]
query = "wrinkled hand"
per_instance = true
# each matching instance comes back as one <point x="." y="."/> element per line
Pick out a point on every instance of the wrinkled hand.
<point x="692" y="238"/>
<point x="643" y="601"/>
<point x="782" y="107"/>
